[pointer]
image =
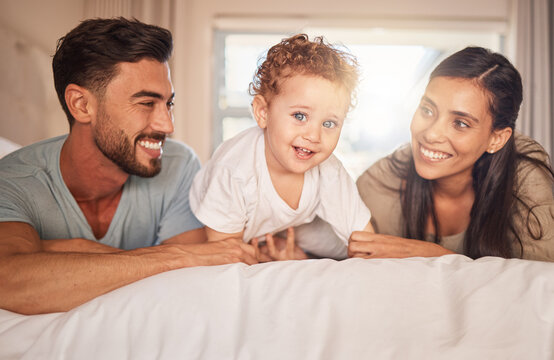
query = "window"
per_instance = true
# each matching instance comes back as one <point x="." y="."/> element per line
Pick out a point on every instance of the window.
<point x="394" y="63"/>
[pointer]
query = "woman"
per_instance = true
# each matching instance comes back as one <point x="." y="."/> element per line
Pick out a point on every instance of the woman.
<point x="467" y="184"/>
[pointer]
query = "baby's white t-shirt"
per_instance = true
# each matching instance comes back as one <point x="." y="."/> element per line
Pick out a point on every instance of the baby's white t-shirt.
<point x="233" y="192"/>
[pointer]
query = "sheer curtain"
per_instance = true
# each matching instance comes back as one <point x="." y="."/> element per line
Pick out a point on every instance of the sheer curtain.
<point x="534" y="59"/>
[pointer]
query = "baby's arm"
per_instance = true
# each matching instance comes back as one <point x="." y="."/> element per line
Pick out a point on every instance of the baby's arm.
<point x="214" y="235"/>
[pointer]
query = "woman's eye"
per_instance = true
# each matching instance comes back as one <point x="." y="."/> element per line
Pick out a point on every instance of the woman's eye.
<point x="299" y="116"/>
<point x="329" y="124"/>
<point x="461" y="124"/>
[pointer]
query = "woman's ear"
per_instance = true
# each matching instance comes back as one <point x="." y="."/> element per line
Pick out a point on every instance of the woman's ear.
<point x="260" y="110"/>
<point x="81" y="103"/>
<point x="499" y="138"/>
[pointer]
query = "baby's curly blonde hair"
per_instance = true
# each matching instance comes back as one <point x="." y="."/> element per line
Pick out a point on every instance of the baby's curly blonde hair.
<point x="297" y="55"/>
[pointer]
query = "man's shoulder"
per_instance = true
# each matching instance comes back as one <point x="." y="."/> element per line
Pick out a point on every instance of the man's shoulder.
<point x="179" y="163"/>
<point x="39" y="156"/>
<point x="178" y="156"/>
<point x="177" y="149"/>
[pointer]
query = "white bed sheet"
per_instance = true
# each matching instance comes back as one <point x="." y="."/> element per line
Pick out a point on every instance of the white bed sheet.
<point x="440" y="308"/>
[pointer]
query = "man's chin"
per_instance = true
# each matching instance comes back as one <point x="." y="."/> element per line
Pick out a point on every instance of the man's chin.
<point x="148" y="171"/>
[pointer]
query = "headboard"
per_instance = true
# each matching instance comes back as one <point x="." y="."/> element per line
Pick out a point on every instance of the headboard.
<point x="30" y="108"/>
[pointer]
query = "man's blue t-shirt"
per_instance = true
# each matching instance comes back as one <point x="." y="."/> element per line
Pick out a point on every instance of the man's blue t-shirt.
<point x="151" y="210"/>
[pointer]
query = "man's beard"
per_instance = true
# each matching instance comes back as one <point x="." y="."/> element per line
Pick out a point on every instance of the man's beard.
<point x="116" y="146"/>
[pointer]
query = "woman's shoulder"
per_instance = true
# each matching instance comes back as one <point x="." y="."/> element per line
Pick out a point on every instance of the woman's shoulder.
<point x="533" y="163"/>
<point x="379" y="187"/>
<point x="534" y="209"/>
<point x="387" y="171"/>
<point x="530" y="148"/>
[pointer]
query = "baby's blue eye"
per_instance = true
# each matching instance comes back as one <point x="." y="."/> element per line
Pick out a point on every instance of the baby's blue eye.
<point x="329" y="124"/>
<point x="299" y="116"/>
<point x="460" y="124"/>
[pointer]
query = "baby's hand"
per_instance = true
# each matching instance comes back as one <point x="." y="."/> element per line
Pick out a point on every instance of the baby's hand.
<point x="278" y="248"/>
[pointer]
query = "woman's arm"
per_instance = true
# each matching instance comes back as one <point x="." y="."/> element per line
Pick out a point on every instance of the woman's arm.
<point x="369" y="245"/>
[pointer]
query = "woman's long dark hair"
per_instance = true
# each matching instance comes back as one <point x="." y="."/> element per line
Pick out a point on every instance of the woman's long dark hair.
<point x="492" y="213"/>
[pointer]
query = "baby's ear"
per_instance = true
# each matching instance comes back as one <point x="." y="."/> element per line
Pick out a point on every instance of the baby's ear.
<point x="260" y="110"/>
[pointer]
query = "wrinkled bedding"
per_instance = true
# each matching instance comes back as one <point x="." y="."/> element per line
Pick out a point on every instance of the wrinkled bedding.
<point x="439" y="308"/>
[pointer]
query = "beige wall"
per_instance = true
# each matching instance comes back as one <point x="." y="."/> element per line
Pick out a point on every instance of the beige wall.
<point x="41" y="23"/>
<point x="29" y="30"/>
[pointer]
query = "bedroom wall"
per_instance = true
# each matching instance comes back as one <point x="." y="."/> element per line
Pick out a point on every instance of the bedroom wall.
<point x="31" y="27"/>
<point x="194" y="21"/>
<point x="29" y="30"/>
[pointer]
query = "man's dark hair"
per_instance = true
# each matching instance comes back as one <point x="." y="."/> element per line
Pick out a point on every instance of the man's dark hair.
<point x="88" y="55"/>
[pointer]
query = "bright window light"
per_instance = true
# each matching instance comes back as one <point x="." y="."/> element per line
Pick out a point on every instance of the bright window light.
<point x="394" y="65"/>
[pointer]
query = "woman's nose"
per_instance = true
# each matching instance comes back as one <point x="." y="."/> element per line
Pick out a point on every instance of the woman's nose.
<point x="435" y="131"/>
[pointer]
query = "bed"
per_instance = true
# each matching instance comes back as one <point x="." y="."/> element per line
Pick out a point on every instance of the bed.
<point x="450" y="307"/>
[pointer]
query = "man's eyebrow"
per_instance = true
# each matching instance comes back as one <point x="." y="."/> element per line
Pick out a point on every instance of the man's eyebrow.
<point x="428" y="100"/>
<point x="145" y="93"/>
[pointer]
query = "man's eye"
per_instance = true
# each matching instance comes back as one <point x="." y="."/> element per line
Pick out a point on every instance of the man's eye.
<point x="426" y="111"/>
<point x="329" y="124"/>
<point x="148" y="103"/>
<point x="170" y="104"/>
<point x="299" y="116"/>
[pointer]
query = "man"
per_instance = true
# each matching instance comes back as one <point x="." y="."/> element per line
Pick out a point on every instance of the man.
<point x="83" y="214"/>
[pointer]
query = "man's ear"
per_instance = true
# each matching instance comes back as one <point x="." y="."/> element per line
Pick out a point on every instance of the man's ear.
<point x="499" y="138"/>
<point x="81" y="103"/>
<point x="260" y="109"/>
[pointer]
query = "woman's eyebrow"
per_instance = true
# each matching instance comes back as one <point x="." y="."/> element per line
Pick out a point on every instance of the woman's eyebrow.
<point x="453" y="112"/>
<point x="464" y="114"/>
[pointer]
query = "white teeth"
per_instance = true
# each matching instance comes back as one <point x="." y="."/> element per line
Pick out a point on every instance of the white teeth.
<point x="304" y="150"/>
<point x="150" y="145"/>
<point x="434" y="154"/>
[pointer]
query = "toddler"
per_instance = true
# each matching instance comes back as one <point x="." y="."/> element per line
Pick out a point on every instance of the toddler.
<point x="282" y="173"/>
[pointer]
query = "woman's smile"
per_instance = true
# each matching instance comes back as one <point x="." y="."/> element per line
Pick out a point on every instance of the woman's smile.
<point x="433" y="155"/>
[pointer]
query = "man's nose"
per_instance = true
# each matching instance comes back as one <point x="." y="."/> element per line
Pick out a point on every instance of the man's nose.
<point x="162" y="120"/>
